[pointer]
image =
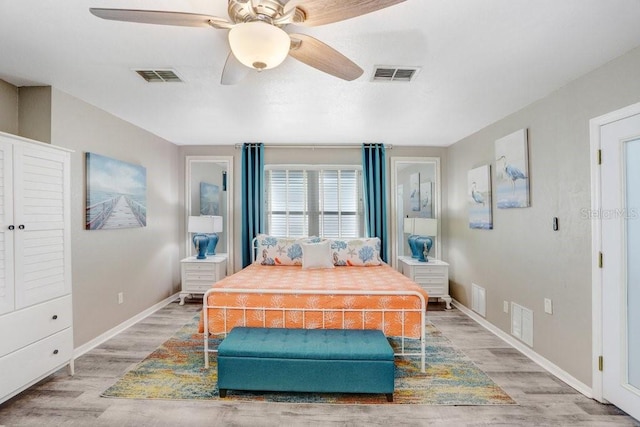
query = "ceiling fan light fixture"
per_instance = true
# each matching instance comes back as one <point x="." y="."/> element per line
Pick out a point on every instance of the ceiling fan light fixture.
<point x="259" y="45"/>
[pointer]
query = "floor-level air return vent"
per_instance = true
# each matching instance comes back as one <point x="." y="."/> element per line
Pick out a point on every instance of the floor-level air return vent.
<point x="394" y="74"/>
<point x="522" y="323"/>
<point x="478" y="300"/>
<point x="159" y="76"/>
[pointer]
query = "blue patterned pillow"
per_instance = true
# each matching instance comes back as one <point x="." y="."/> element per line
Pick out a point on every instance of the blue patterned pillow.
<point x="281" y="250"/>
<point x="356" y="252"/>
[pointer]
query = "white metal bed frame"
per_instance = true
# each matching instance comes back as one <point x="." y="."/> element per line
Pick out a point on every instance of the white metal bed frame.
<point x="342" y="311"/>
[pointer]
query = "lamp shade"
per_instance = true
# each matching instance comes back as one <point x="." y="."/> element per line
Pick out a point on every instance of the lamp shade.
<point x="425" y="226"/>
<point x="203" y="224"/>
<point x="259" y="45"/>
<point x="408" y="225"/>
<point x="217" y="224"/>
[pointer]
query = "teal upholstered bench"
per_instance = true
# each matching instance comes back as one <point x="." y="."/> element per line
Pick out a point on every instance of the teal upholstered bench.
<point x="306" y="360"/>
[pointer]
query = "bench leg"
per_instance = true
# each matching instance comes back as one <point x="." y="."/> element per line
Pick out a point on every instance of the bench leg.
<point x="389" y="397"/>
<point x="223" y="392"/>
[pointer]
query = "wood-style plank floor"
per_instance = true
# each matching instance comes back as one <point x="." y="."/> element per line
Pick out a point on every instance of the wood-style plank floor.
<point x="61" y="400"/>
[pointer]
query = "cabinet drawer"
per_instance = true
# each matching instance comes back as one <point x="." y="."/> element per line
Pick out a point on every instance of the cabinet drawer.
<point x="32" y="362"/>
<point x="31" y="324"/>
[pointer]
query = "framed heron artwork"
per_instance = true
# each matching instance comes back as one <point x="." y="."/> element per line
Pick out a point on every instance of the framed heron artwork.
<point x="209" y="199"/>
<point x="426" y="199"/>
<point x="479" y="198"/>
<point x="512" y="171"/>
<point x="116" y="194"/>
<point x="414" y="191"/>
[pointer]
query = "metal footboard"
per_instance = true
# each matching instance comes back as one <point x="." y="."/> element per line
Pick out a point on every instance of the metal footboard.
<point x="386" y="313"/>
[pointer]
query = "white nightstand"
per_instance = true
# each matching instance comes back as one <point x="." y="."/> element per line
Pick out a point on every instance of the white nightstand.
<point x="199" y="274"/>
<point x="432" y="276"/>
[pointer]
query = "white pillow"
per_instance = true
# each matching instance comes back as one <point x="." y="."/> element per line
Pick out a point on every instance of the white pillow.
<point x="317" y="255"/>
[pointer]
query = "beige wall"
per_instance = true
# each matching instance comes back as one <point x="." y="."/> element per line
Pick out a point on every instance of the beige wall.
<point x="34" y="112"/>
<point x="8" y="108"/>
<point x="141" y="262"/>
<point x="522" y="259"/>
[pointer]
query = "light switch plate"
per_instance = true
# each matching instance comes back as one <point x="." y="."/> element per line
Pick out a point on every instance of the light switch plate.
<point x="548" y="306"/>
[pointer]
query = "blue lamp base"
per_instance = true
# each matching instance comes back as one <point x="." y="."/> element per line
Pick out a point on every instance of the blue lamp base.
<point x="415" y="251"/>
<point x="201" y="242"/>
<point x="423" y="244"/>
<point x="213" y="241"/>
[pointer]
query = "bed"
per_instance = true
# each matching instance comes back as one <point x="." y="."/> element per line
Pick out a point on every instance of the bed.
<point x="299" y="283"/>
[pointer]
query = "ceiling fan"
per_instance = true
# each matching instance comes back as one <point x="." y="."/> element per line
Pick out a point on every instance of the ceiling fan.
<point x="256" y="32"/>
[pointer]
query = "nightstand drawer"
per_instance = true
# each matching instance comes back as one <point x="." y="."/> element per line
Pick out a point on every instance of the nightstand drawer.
<point x="429" y="280"/>
<point x="199" y="275"/>
<point x="427" y="269"/>
<point x="434" y="291"/>
<point x="198" y="286"/>
<point x="199" y="268"/>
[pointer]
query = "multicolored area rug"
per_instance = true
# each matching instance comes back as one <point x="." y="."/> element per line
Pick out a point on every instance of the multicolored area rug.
<point x="176" y="371"/>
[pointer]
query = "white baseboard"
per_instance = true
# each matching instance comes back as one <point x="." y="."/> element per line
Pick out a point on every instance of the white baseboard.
<point x="527" y="351"/>
<point x="79" y="351"/>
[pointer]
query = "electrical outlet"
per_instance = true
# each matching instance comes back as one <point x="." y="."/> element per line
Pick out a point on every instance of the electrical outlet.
<point x="548" y="306"/>
<point x="505" y="306"/>
<point x="120" y="297"/>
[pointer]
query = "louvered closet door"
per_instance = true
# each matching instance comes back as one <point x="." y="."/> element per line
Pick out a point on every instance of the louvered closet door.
<point x="42" y="248"/>
<point x="6" y="235"/>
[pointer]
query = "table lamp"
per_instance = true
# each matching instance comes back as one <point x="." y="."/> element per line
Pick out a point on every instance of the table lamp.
<point x="409" y="224"/>
<point x="200" y="226"/>
<point x="425" y="229"/>
<point x="213" y="237"/>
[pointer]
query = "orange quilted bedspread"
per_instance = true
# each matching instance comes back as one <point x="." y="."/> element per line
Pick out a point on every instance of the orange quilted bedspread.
<point x="257" y="277"/>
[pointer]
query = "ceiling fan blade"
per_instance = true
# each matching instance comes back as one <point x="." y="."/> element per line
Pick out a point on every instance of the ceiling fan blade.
<point x="161" y="17"/>
<point x="233" y="71"/>
<point x="320" y="12"/>
<point x="318" y="55"/>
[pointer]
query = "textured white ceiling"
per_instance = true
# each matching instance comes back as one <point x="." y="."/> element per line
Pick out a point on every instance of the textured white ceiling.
<point x="480" y="59"/>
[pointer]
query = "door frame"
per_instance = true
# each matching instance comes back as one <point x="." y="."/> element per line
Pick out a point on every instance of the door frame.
<point x="596" y="240"/>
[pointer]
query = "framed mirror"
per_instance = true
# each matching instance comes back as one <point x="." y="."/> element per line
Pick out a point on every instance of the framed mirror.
<point x="415" y="193"/>
<point x="209" y="191"/>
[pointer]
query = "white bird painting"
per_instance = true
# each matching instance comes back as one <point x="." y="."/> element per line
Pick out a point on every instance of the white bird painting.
<point x="479" y="201"/>
<point x="512" y="172"/>
<point x="475" y="194"/>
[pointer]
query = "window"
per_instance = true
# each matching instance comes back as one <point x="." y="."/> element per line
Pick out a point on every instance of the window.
<point x="320" y="201"/>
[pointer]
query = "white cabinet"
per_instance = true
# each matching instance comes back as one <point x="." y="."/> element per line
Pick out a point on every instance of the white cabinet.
<point x="198" y="275"/>
<point x="36" y="333"/>
<point x="432" y="276"/>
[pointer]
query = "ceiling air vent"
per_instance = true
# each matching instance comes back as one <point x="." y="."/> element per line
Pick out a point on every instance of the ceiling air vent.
<point x="394" y="74"/>
<point x="159" y="76"/>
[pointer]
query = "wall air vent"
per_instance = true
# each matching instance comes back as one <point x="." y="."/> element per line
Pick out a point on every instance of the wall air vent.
<point x="394" y="74"/>
<point x="159" y="76"/>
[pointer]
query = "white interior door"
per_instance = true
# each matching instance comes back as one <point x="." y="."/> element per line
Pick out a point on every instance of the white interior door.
<point x="619" y="218"/>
